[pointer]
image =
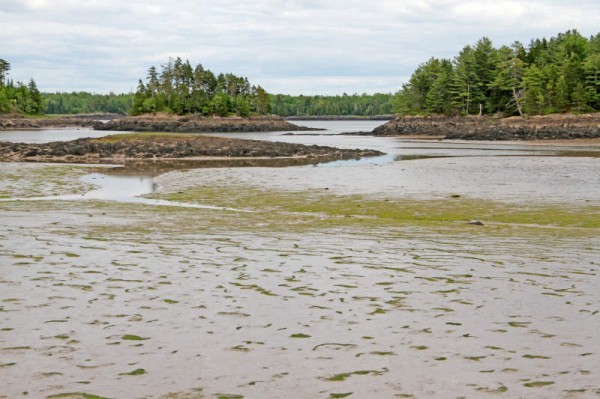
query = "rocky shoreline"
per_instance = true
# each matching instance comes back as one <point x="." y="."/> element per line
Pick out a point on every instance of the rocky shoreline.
<point x="9" y="122"/>
<point x="549" y="127"/>
<point x="156" y="147"/>
<point x="192" y="124"/>
<point x="153" y="123"/>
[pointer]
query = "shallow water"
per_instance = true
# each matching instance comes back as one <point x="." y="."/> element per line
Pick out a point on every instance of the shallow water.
<point x="134" y="180"/>
<point x="38" y="136"/>
<point x="120" y="188"/>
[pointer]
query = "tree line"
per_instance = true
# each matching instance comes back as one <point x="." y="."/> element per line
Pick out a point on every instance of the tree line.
<point x="19" y="97"/>
<point x="549" y="76"/>
<point x="178" y="88"/>
<point x="558" y="75"/>
<point x="86" y="103"/>
<point x="346" y="105"/>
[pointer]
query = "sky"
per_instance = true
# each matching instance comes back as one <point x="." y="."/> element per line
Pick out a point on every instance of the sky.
<point x="286" y="46"/>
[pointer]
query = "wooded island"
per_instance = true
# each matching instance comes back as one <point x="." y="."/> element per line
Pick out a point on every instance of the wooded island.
<point x="556" y="75"/>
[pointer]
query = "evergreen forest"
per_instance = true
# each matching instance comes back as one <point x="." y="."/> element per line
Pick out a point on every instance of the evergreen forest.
<point x="558" y="75"/>
<point x="18" y="98"/>
<point x="178" y="88"/>
<point x="345" y="105"/>
<point x="86" y="103"/>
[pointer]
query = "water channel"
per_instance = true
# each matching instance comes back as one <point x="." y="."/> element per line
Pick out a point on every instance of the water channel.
<point x="130" y="186"/>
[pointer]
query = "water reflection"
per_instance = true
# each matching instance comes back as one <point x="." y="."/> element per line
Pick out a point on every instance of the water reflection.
<point x="122" y="189"/>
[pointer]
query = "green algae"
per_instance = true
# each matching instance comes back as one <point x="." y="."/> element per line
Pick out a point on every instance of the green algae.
<point x="135" y="372"/>
<point x="299" y="335"/>
<point x="536" y="384"/>
<point x="344" y="376"/>
<point x="75" y="395"/>
<point x="528" y="356"/>
<point x="43" y="180"/>
<point x="369" y="210"/>
<point x="131" y="337"/>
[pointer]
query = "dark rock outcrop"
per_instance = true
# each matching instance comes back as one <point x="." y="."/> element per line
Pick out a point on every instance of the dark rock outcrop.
<point x="167" y="146"/>
<point x="549" y="127"/>
<point x="83" y="120"/>
<point x="191" y="124"/>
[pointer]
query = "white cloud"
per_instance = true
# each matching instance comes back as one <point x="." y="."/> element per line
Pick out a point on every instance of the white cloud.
<point x="285" y="46"/>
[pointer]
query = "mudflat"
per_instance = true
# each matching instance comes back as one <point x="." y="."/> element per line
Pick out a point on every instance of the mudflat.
<point x="325" y="282"/>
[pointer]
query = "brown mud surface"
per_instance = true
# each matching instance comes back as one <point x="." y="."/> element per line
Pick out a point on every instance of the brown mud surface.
<point x="549" y="127"/>
<point x="187" y="124"/>
<point x="164" y="147"/>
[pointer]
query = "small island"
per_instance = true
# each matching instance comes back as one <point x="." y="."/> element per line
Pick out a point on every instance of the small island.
<point x="158" y="147"/>
<point x="197" y="123"/>
<point x="538" y="127"/>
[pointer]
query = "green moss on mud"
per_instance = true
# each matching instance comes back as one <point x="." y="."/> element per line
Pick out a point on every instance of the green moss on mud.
<point x="41" y="180"/>
<point x="318" y="209"/>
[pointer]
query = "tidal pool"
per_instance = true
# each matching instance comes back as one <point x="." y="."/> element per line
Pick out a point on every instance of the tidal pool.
<point x="326" y="289"/>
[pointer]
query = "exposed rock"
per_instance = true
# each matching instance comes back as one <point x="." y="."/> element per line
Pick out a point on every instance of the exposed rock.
<point x="168" y="146"/>
<point x="83" y="120"/>
<point x="549" y="127"/>
<point x="188" y="124"/>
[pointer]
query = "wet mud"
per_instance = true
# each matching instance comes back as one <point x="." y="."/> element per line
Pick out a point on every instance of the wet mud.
<point x="99" y="298"/>
<point x="315" y="291"/>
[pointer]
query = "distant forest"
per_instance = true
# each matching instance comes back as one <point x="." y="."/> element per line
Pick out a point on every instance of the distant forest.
<point x="280" y="104"/>
<point x="549" y="76"/>
<point x="346" y="105"/>
<point x="86" y="103"/>
<point x="556" y="75"/>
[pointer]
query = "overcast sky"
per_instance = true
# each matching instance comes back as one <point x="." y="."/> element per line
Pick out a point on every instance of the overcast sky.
<point x="292" y="47"/>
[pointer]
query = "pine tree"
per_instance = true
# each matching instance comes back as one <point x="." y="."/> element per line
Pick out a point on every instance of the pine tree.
<point x="466" y="84"/>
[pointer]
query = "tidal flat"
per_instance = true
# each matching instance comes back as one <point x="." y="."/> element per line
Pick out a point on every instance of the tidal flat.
<point x="315" y="282"/>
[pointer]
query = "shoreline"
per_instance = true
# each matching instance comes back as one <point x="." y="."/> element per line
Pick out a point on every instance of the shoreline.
<point x="199" y="124"/>
<point x="20" y="122"/>
<point x="531" y="128"/>
<point x="166" y="147"/>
